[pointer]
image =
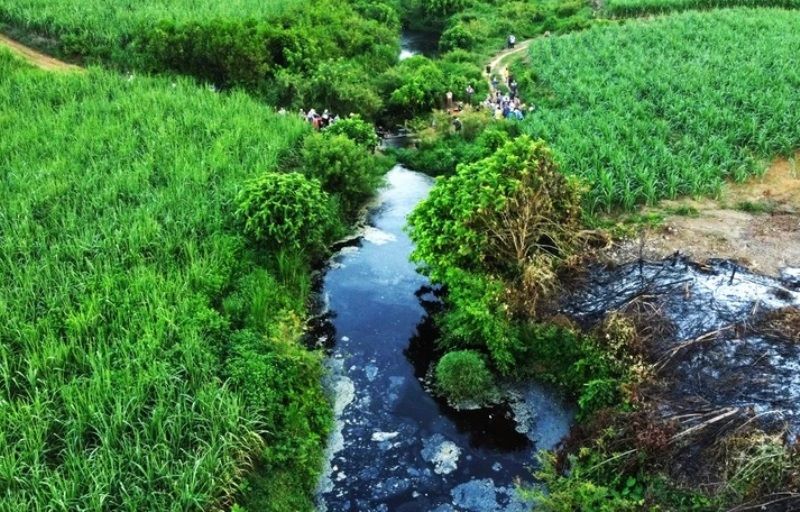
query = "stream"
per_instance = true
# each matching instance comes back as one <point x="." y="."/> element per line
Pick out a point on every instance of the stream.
<point x="395" y="445"/>
<point x="418" y="43"/>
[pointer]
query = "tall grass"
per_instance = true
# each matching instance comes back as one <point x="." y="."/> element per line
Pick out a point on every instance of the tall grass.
<point x="114" y="18"/>
<point x="658" y="109"/>
<point x="629" y="8"/>
<point x="124" y="287"/>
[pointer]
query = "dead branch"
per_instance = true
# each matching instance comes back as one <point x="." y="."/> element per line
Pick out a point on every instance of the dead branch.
<point x="722" y="414"/>
<point x="671" y="353"/>
<point x="762" y="505"/>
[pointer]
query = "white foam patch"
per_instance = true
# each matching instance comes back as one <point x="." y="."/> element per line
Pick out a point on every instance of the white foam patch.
<point x="377" y="236"/>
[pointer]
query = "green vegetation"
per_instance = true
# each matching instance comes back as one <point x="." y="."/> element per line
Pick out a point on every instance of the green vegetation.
<point x="440" y="147"/>
<point x="683" y="103"/>
<point x="345" y="169"/>
<point x="292" y="52"/>
<point x="358" y="130"/>
<point x="286" y="210"/>
<point x="418" y="85"/>
<point x="484" y="26"/>
<point x="149" y="351"/>
<point x="632" y="8"/>
<point x="684" y="211"/>
<point x="462" y="376"/>
<point x="496" y="235"/>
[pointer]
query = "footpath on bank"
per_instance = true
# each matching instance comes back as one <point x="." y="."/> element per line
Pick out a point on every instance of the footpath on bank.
<point x="36" y="58"/>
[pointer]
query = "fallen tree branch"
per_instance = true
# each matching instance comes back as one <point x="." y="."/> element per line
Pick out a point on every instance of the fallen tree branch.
<point x="722" y="414"/>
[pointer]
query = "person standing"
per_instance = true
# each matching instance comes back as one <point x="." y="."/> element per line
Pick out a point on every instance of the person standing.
<point x="512" y="40"/>
<point x="449" y="97"/>
<point x="470" y="93"/>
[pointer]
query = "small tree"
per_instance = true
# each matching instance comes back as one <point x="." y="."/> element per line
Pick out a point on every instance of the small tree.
<point x="343" y="168"/>
<point x="360" y="131"/>
<point x="512" y="215"/>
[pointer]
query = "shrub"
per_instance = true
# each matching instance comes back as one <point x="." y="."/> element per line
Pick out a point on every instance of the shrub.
<point x="463" y="376"/>
<point x="278" y="379"/>
<point x="286" y="211"/>
<point x="343" y="168"/>
<point x="457" y="37"/>
<point x="497" y="213"/>
<point x="415" y="86"/>
<point x="360" y="131"/>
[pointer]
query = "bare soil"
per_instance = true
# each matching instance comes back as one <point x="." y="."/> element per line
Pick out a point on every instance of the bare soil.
<point x="756" y="224"/>
<point x="36" y="58"/>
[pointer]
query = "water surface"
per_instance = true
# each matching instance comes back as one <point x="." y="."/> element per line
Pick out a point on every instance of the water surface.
<point x="396" y="446"/>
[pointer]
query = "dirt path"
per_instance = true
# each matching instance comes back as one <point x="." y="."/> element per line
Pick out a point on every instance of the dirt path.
<point x="496" y="66"/>
<point x="38" y="59"/>
<point x="756" y="223"/>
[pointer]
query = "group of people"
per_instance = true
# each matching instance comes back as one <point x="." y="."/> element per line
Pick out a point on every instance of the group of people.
<point x="317" y="120"/>
<point x="508" y="105"/>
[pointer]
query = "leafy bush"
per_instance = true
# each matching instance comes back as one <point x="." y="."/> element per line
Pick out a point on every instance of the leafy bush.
<point x="289" y="52"/>
<point x="462" y="376"/>
<point x="360" y="131"/>
<point x="345" y="169"/>
<point x="279" y="380"/>
<point x="486" y="234"/>
<point x="342" y="85"/>
<point x="415" y="86"/>
<point x="457" y="37"/>
<point x="478" y="219"/>
<point x="286" y="211"/>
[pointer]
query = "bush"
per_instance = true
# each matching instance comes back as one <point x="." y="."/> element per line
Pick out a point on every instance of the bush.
<point x="341" y="85"/>
<point x="343" y="168"/>
<point x="462" y="376"/>
<point x="360" y="131"/>
<point x="415" y="86"/>
<point x="286" y="211"/>
<point x="457" y="37"/>
<point x="278" y="379"/>
<point x="224" y="52"/>
<point x="472" y="220"/>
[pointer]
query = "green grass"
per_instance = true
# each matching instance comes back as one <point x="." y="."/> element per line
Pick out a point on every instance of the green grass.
<point x="671" y="107"/>
<point x="630" y="8"/>
<point x="292" y="53"/>
<point x="684" y="211"/>
<point x="147" y="352"/>
<point x="117" y="18"/>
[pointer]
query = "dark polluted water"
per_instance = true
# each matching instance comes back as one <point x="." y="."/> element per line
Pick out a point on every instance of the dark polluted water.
<point x="418" y="43"/>
<point x="395" y="446"/>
